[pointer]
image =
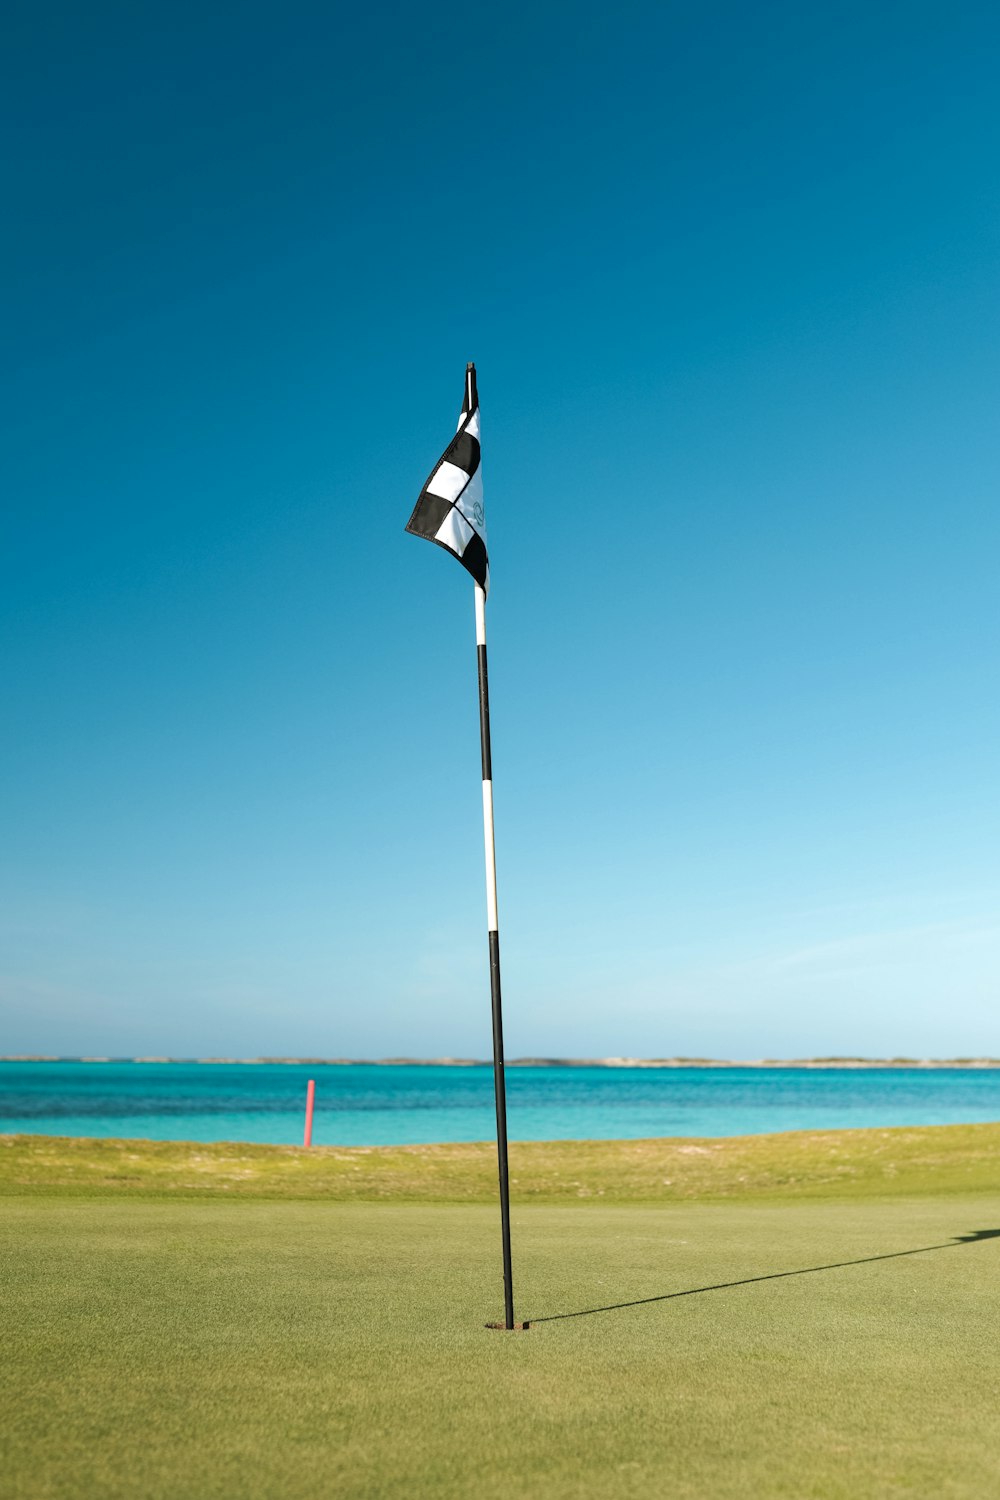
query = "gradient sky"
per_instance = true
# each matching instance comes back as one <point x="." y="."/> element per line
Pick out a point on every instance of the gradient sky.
<point x="730" y="277"/>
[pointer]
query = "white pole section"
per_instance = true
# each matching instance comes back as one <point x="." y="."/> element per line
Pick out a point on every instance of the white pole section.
<point x="492" y="920"/>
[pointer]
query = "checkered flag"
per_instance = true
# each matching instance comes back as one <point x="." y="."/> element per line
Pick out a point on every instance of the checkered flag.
<point x="450" y="508"/>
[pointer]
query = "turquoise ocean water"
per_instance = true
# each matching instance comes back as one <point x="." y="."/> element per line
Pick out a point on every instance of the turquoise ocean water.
<point x="366" y="1105"/>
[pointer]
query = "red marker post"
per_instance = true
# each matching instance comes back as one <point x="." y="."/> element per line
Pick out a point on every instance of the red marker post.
<point x="310" y="1097"/>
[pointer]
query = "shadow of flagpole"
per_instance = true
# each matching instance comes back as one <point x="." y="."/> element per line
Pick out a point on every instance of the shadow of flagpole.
<point x="975" y="1238"/>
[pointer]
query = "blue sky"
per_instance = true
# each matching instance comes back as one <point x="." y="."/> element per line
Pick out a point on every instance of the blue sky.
<point x="729" y="275"/>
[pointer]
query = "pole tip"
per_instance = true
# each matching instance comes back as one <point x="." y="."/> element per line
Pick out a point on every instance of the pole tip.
<point x="470" y="366"/>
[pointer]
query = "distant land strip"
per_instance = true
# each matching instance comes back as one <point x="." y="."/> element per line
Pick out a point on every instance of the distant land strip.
<point x="542" y="1062"/>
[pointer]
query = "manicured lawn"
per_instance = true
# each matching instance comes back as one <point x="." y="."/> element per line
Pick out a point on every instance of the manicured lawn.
<point x="190" y="1349"/>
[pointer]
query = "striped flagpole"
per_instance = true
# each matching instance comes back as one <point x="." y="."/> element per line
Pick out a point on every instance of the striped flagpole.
<point x="499" y="1086"/>
<point x="449" y="512"/>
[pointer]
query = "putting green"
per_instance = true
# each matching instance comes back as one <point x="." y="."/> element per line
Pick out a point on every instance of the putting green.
<point x="173" y="1349"/>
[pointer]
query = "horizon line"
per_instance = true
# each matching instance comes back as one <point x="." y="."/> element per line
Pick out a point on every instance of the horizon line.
<point x="840" y="1061"/>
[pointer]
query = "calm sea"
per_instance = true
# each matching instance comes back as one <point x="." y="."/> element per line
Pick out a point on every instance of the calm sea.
<point x="375" y="1106"/>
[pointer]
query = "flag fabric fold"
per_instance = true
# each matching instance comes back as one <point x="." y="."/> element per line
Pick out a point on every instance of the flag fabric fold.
<point x="450" y="508"/>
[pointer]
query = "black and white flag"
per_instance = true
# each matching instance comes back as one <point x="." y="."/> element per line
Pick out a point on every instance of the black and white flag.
<point x="450" y="509"/>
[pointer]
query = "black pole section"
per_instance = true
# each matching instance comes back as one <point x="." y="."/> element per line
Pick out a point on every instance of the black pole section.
<point x="499" y="1086"/>
<point x="500" y="1090"/>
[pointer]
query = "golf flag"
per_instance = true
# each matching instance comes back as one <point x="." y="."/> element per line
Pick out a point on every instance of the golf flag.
<point x="450" y="513"/>
<point x="450" y="509"/>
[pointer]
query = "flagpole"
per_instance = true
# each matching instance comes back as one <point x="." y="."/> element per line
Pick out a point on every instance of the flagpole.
<point x="499" y="1086"/>
<point x="449" y="511"/>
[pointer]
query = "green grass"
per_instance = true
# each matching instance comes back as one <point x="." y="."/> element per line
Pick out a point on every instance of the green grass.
<point x="181" y="1347"/>
<point x="844" y="1163"/>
